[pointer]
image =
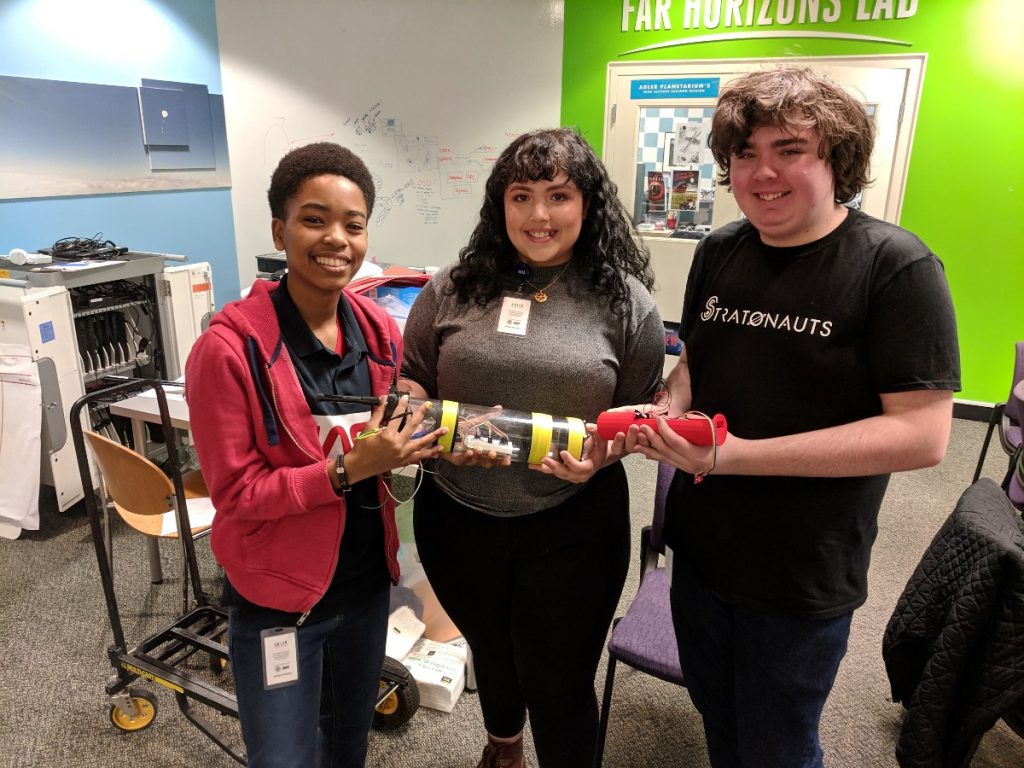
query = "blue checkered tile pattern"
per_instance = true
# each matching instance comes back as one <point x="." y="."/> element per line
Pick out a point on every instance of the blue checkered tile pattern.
<point x="656" y="122"/>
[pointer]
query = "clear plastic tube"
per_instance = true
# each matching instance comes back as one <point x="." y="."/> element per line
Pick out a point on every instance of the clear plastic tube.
<point x="519" y="435"/>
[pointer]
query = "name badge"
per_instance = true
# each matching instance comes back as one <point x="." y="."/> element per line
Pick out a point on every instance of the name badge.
<point x="514" y="315"/>
<point x="280" y="657"/>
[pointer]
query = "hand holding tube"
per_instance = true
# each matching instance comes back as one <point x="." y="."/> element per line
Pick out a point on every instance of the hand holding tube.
<point x="487" y="436"/>
<point x="394" y="444"/>
<point x="663" y="442"/>
<point x="579" y="470"/>
<point x="696" y="428"/>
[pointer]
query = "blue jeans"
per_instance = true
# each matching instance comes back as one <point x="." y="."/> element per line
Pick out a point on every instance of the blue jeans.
<point x="759" y="680"/>
<point x="324" y="718"/>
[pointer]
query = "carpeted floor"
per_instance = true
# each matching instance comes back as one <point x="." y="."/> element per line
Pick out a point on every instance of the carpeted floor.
<point x="54" y="631"/>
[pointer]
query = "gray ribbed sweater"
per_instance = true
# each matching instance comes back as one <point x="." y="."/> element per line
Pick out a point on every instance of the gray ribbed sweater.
<point x="577" y="359"/>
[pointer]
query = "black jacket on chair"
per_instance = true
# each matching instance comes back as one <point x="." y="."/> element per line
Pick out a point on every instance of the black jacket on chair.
<point x="954" y="647"/>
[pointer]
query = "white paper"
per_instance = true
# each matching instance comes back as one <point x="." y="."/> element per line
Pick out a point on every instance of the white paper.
<point x="440" y="672"/>
<point x="20" y="437"/>
<point x="689" y="141"/>
<point x="404" y="629"/>
<point x="200" y="515"/>
<point x="171" y="392"/>
<point x="77" y="266"/>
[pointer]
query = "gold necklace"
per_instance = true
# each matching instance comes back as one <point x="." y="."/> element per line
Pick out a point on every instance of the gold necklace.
<point x="540" y="296"/>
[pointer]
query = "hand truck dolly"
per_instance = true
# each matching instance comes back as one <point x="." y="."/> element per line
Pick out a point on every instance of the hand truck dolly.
<point x="200" y="629"/>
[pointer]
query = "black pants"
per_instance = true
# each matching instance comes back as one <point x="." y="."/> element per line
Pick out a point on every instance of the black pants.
<point x="534" y="596"/>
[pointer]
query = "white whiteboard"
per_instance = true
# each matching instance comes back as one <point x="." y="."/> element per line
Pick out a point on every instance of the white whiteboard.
<point x="427" y="92"/>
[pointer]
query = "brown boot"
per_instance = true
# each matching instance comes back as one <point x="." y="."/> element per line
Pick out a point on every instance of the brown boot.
<point x="499" y="754"/>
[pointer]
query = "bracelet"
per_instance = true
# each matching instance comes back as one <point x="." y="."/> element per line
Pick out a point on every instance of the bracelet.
<point x="339" y="467"/>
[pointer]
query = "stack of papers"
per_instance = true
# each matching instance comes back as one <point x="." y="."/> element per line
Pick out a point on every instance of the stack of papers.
<point x="200" y="515"/>
<point x="438" y="668"/>
<point x="404" y="629"/>
<point x="440" y="672"/>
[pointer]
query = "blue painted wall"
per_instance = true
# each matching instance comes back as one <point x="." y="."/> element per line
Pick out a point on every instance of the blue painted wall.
<point x="119" y="42"/>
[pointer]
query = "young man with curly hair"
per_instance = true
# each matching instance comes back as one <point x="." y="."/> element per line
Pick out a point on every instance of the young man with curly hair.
<point x="828" y="339"/>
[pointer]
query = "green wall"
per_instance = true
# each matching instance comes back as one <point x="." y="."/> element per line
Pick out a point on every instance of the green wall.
<point x="963" y="195"/>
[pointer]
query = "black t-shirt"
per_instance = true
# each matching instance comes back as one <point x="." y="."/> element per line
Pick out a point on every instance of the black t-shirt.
<point x="788" y="340"/>
<point x="362" y="567"/>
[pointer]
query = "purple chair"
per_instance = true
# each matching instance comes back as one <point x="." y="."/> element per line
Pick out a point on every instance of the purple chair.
<point x="1015" y="488"/>
<point x="644" y="638"/>
<point x="1006" y="416"/>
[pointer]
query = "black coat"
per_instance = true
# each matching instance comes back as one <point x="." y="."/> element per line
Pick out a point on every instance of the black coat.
<point x="954" y="647"/>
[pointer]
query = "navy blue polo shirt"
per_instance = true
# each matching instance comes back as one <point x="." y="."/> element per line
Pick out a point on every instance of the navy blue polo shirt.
<point x="362" y="566"/>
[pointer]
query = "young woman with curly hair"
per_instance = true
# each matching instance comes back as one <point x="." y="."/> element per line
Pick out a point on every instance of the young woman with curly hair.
<point x="547" y="310"/>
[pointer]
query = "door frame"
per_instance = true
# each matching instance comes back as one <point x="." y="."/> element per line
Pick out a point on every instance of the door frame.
<point x="622" y="169"/>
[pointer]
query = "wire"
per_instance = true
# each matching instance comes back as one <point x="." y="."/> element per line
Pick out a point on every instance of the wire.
<point x="415" y="490"/>
<point x="698" y="477"/>
<point x="78" y="248"/>
<point x="661" y="400"/>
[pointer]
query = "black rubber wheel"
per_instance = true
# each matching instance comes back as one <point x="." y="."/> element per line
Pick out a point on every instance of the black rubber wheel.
<point x="146" y="709"/>
<point x="218" y="664"/>
<point x="401" y="704"/>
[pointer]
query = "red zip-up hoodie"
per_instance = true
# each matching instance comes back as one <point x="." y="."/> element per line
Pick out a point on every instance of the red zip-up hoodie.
<point x="279" y="522"/>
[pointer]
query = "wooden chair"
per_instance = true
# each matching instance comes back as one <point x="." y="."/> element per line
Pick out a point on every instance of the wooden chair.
<point x="141" y="493"/>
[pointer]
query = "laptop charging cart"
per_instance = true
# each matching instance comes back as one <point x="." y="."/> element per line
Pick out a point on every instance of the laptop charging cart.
<point x="137" y="315"/>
